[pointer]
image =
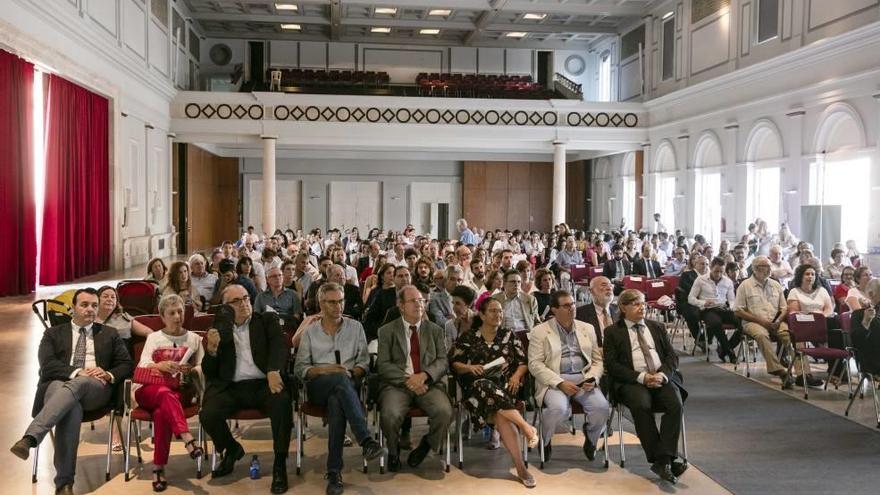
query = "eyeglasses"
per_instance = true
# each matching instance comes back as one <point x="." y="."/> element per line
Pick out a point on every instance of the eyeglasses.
<point x="238" y="300"/>
<point x="634" y="303"/>
<point x="570" y="305"/>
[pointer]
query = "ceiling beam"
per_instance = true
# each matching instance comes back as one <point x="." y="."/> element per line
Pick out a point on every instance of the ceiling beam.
<point x="550" y="28"/>
<point x="268" y="18"/>
<point x="409" y="23"/>
<point x="574" y="9"/>
<point x="485" y="19"/>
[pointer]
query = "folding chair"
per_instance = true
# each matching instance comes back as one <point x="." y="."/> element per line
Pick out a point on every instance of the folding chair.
<point x="138" y="297"/>
<point x="88" y="417"/>
<point x="812" y="328"/>
<point x="414" y="412"/>
<point x="618" y="408"/>
<point x="866" y="379"/>
<point x="305" y="408"/>
<point x="200" y="323"/>
<point x="635" y="282"/>
<point x="47" y="311"/>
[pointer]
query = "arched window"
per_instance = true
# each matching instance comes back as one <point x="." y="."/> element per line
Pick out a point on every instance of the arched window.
<point x="665" y="189"/>
<point x="605" y="76"/>
<point x="707" y="196"/>
<point x="764" y="180"/>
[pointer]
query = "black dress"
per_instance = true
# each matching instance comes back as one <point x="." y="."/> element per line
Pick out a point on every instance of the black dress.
<point x="486" y="394"/>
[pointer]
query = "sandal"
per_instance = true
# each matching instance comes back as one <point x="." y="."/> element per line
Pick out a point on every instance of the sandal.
<point x="117" y="446"/>
<point x="196" y="452"/>
<point x="159" y="484"/>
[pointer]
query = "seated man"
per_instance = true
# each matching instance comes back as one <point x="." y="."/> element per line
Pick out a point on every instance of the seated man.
<point x="866" y="331"/>
<point x="617" y="267"/>
<point x="281" y="300"/>
<point x="80" y="362"/>
<point x="243" y="365"/>
<point x="601" y="313"/>
<point x="676" y="264"/>
<point x="646" y="265"/>
<point x="713" y="295"/>
<point x="440" y="304"/>
<point x="760" y="303"/>
<point x="520" y="308"/>
<point x="567" y="258"/>
<point x="412" y="367"/>
<point x="228" y="276"/>
<point x="203" y="281"/>
<point x="332" y="360"/>
<point x="644" y="377"/>
<point x="566" y="361"/>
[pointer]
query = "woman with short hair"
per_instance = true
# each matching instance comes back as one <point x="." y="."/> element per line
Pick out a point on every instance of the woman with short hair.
<point x="156" y="270"/>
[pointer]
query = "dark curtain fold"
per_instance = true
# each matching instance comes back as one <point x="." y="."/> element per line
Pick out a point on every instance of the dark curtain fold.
<point x="76" y="211"/>
<point x="17" y="204"/>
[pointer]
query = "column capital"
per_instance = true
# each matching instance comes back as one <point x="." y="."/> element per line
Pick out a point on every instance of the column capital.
<point x="171" y="135"/>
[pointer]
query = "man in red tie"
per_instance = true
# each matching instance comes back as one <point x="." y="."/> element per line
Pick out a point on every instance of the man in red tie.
<point x="412" y="367"/>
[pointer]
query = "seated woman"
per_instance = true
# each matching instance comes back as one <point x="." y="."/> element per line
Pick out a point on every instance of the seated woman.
<point x="544" y="283"/>
<point x="527" y="273"/>
<point x="490" y="395"/>
<point x="156" y="270"/>
<point x="857" y="297"/>
<point x="494" y="282"/>
<point x="382" y="279"/>
<point x="846" y="282"/>
<point x="179" y="282"/>
<point x="462" y="299"/>
<point x="808" y="296"/>
<point x="166" y="404"/>
<point x="834" y="270"/>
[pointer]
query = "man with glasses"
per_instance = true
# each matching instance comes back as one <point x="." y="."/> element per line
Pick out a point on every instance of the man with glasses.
<point x="760" y="304"/>
<point x="644" y="376"/>
<point x="566" y="361"/>
<point x="677" y="264"/>
<point x="440" y="303"/>
<point x="332" y="360"/>
<point x="412" y="367"/>
<point x="520" y="308"/>
<point x="278" y="298"/>
<point x="244" y="364"/>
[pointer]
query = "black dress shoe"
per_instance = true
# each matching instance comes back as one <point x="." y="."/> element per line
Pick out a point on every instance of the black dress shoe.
<point x="334" y="483"/>
<point x="678" y="468"/>
<point x="227" y="464"/>
<point x="732" y="357"/>
<point x="393" y="463"/>
<point x="64" y="490"/>
<point x="664" y="471"/>
<point x="404" y="442"/>
<point x="372" y="450"/>
<point x="419" y="453"/>
<point x="548" y="451"/>
<point x="589" y="448"/>
<point x="22" y="448"/>
<point x="279" y="474"/>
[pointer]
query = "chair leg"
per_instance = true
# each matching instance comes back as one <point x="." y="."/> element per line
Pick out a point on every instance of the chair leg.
<point x="620" y="435"/>
<point x="804" y="376"/>
<point x="128" y="447"/>
<point x="447" y="448"/>
<point x="852" y="397"/>
<point x="684" y="443"/>
<point x="299" y="441"/>
<point x="460" y="436"/>
<point x="605" y="441"/>
<point x="36" y="464"/>
<point x="137" y="432"/>
<point x="199" y="460"/>
<point x="109" y="444"/>
<point x="540" y="427"/>
<point x="381" y="440"/>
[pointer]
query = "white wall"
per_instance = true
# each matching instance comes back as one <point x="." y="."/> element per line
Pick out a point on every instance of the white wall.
<point x="388" y="194"/>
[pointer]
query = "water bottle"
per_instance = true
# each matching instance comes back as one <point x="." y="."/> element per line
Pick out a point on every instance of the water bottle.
<point x="255" y="468"/>
<point x="487" y="433"/>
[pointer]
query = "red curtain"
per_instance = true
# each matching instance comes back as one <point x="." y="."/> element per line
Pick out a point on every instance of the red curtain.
<point x="76" y="211"/>
<point x="18" y="227"/>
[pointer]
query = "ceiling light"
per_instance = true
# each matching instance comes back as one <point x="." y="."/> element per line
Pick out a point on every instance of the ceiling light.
<point x="516" y="34"/>
<point x="441" y="12"/>
<point x="286" y="6"/>
<point x="429" y="31"/>
<point x="384" y="30"/>
<point x="667" y="15"/>
<point x="534" y="17"/>
<point x="386" y="10"/>
<point x="294" y="27"/>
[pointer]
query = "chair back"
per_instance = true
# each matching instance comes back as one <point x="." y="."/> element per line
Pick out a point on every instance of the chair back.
<point x="153" y="322"/>
<point x="671" y="283"/>
<point x="46" y="311"/>
<point x="200" y="323"/>
<point x="637" y="282"/>
<point x="846" y="321"/>
<point x="138" y="297"/>
<point x="808" y="327"/>
<point x="656" y="289"/>
<point x="189" y="312"/>
<point x="137" y="348"/>
<point x="594" y="271"/>
<point x="579" y="272"/>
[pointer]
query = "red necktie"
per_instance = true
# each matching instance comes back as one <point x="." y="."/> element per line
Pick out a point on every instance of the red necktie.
<point x="414" y="349"/>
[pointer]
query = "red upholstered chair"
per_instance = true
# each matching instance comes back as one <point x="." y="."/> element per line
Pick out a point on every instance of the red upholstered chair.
<point x="138" y="297"/>
<point x="637" y="282"/>
<point x="200" y="323"/>
<point x="594" y="271"/>
<point x="812" y="328"/>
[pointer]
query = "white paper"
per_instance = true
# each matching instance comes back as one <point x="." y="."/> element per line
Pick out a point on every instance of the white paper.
<point x="804" y="317"/>
<point x="636" y="279"/>
<point x="657" y="284"/>
<point x="187" y="355"/>
<point x="498" y="362"/>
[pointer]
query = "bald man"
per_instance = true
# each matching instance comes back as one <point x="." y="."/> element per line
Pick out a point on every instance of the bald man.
<point x="601" y="313"/>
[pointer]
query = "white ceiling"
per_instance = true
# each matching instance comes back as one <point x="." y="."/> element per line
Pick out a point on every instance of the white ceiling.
<point x="565" y="23"/>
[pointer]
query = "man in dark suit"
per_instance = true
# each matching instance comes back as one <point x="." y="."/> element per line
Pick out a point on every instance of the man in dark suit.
<point x="387" y="299"/>
<point x="866" y="331"/>
<point x="412" y="366"/>
<point x="244" y="363"/>
<point x="643" y="368"/>
<point x="645" y="266"/>
<point x="80" y="364"/>
<point x="601" y="313"/>
<point x="617" y="267"/>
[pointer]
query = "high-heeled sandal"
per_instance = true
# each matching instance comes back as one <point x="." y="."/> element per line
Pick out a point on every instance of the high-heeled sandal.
<point x="159" y="485"/>
<point x="196" y="452"/>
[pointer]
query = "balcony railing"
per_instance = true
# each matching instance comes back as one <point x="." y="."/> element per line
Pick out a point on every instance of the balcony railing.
<point x="568" y="84"/>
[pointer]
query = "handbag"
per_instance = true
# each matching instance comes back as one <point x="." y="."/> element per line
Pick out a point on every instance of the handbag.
<point x="152" y="376"/>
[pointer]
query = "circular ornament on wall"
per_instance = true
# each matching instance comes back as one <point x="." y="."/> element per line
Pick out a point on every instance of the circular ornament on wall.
<point x="220" y="54"/>
<point x="575" y="65"/>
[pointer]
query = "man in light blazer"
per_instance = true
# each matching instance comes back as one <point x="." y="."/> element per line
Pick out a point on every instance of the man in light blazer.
<point x="566" y="361"/>
<point x="412" y="365"/>
<point x="520" y="308"/>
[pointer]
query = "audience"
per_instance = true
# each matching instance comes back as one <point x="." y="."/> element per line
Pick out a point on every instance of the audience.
<point x="866" y="331"/>
<point x="857" y="296"/>
<point x="203" y="281"/>
<point x="520" y="308"/>
<point x="713" y="294"/>
<point x="279" y="299"/>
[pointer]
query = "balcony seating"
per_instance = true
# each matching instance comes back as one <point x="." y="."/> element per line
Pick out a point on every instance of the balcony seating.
<point x="481" y="86"/>
<point x="320" y="77"/>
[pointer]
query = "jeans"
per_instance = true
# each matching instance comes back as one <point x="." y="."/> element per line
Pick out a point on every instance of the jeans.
<point x="338" y="394"/>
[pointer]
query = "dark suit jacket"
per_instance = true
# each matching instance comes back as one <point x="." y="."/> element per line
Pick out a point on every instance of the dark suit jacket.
<point x="56" y="349"/>
<point x="685" y="283"/>
<point x="640" y="268"/>
<point x="588" y="314"/>
<point x="375" y="314"/>
<point x="269" y="351"/>
<point x="618" y="355"/>
<point x="866" y="341"/>
<point x="354" y="305"/>
<point x="609" y="269"/>
<point x="392" y="358"/>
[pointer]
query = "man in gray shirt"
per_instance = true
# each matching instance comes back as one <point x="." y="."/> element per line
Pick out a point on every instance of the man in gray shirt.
<point x="277" y="298"/>
<point x="331" y="360"/>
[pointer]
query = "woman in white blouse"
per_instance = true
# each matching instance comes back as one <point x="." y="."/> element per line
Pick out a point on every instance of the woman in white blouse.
<point x="171" y="350"/>
<point x="808" y="295"/>
<point x="857" y="297"/>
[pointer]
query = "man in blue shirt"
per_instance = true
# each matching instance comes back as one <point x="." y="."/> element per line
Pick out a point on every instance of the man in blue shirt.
<point x="467" y="235"/>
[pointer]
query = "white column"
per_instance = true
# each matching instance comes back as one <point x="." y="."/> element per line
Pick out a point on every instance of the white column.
<point x="558" y="182"/>
<point x="733" y="216"/>
<point x="269" y="183"/>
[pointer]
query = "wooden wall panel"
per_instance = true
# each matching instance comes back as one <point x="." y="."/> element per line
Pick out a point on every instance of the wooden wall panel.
<point x="576" y="195"/>
<point x="213" y="199"/>
<point x="496" y="175"/>
<point x="541" y="209"/>
<point x="495" y="207"/>
<point x="507" y="195"/>
<point x="518" y="175"/>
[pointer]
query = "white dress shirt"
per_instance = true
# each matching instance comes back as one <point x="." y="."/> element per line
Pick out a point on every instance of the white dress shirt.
<point x="245" y="368"/>
<point x="638" y="359"/>
<point x="705" y="288"/>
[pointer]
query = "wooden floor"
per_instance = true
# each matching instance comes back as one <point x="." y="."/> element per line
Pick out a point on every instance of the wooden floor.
<point x="484" y="471"/>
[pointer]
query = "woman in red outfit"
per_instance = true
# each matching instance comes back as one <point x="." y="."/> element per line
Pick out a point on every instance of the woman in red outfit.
<point x="173" y="351"/>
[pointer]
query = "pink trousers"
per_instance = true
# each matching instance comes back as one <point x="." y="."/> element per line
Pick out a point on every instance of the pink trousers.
<point x="164" y="404"/>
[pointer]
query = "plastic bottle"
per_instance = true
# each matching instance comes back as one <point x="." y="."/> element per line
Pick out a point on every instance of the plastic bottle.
<point x="255" y="468"/>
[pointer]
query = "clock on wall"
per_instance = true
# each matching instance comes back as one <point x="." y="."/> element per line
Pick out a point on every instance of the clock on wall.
<point x="575" y="65"/>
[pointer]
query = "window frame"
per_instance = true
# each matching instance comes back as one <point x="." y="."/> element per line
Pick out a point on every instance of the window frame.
<point x="670" y="21"/>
